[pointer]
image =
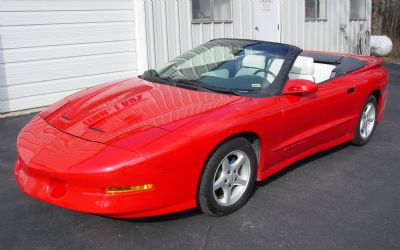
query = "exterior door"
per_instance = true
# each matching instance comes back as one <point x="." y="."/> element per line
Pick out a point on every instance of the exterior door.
<point x="313" y="119"/>
<point x="266" y="20"/>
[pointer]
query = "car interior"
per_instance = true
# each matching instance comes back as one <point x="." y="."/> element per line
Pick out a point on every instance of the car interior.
<point x="316" y="67"/>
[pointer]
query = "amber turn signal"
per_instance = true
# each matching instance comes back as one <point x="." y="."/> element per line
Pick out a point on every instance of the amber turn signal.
<point x="127" y="189"/>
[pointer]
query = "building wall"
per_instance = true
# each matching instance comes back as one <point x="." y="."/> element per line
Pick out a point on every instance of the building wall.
<point x="50" y="49"/>
<point x="323" y="35"/>
<point x="170" y="31"/>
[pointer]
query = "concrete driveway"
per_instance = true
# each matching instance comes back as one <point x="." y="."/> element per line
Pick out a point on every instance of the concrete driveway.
<point x="345" y="198"/>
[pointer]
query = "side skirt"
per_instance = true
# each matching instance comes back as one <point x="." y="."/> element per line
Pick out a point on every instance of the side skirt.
<point x="274" y="169"/>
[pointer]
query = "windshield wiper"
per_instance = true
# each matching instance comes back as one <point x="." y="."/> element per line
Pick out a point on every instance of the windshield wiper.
<point x="190" y="85"/>
<point x="152" y="75"/>
<point x="208" y="87"/>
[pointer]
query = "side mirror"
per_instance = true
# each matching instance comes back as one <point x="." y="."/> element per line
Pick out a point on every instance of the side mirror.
<point x="299" y="86"/>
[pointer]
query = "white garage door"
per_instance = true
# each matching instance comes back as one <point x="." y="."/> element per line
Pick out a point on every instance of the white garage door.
<point x="50" y="49"/>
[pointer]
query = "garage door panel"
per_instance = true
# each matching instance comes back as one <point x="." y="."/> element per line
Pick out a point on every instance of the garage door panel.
<point x="56" y="5"/>
<point x="58" y="34"/>
<point x="40" y="101"/>
<point x="54" y="69"/>
<point x="54" y="86"/>
<point x="65" y="17"/>
<point x="65" y="51"/>
<point x="52" y="48"/>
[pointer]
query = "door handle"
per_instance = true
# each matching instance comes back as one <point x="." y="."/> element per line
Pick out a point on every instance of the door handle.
<point x="257" y="28"/>
<point x="351" y="90"/>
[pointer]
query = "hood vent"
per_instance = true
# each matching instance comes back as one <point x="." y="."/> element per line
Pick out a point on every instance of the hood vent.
<point x="66" y="118"/>
<point x="97" y="129"/>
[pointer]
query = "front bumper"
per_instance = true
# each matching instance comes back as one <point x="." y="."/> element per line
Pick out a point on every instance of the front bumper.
<point x="92" y="199"/>
<point x="54" y="167"/>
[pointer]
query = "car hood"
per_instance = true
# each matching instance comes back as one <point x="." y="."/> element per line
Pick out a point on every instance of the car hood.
<point x="106" y="112"/>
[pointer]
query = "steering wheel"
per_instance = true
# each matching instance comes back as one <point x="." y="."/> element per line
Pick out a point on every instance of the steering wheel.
<point x="266" y="71"/>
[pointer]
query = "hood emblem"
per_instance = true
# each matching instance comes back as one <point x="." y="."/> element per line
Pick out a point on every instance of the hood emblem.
<point x="113" y="109"/>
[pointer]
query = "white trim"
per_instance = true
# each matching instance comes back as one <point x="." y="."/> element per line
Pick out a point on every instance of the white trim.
<point x="141" y="36"/>
<point x="21" y="112"/>
<point x="3" y="80"/>
<point x="279" y="20"/>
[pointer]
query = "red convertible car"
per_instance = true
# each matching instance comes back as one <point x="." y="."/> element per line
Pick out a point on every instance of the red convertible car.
<point x="200" y="131"/>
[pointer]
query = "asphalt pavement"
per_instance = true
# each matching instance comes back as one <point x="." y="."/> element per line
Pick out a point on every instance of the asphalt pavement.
<point x="344" y="198"/>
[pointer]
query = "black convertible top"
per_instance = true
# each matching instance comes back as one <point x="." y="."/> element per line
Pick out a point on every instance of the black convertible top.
<point x="344" y="64"/>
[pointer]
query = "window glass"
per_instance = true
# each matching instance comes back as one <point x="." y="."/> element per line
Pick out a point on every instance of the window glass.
<point x="209" y="10"/>
<point x="316" y="9"/>
<point x="243" y="65"/>
<point x="217" y="54"/>
<point x="222" y="9"/>
<point x="201" y="9"/>
<point x="358" y="9"/>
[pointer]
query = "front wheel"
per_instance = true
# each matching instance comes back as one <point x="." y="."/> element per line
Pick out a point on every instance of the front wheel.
<point x="228" y="178"/>
<point x="367" y="122"/>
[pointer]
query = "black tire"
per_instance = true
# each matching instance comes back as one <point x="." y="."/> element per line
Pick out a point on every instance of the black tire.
<point x="359" y="140"/>
<point x="206" y="197"/>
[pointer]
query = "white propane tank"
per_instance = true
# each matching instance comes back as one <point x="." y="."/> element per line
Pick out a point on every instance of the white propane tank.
<point x="381" y="45"/>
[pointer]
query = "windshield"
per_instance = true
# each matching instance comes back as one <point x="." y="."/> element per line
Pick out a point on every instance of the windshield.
<point x="242" y="67"/>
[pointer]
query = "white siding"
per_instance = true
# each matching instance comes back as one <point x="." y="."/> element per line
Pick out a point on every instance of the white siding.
<point x="323" y="35"/>
<point x="50" y="49"/>
<point x="170" y="31"/>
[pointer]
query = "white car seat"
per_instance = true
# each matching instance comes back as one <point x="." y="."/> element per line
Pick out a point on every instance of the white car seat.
<point x="303" y="68"/>
<point x="221" y="73"/>
<point x="322" y="72"/>
<point x="274" y="68"/>
<point x="251" y="64"/>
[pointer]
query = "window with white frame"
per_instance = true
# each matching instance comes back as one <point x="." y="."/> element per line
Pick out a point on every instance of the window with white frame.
<point x="211" y="10"/>
<point x="315" y="10"/>
<point x="358" y="9"/>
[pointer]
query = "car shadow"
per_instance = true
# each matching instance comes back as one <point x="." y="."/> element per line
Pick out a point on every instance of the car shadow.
<point x="196" y="212"/>
<point x="161" y="218"/>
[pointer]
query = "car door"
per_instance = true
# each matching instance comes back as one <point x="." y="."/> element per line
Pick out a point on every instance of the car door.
<point x="314" y="119"/>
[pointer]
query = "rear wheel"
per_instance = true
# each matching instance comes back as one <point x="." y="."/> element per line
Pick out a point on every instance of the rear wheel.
<point x="228" y="178"/>
<point x="367" y="122"/>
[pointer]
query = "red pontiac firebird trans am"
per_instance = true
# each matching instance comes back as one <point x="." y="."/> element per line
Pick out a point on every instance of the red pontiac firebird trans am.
<point x="200" y="131"/>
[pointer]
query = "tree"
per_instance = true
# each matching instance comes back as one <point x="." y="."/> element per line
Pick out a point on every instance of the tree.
<point x="386" y="21"/>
